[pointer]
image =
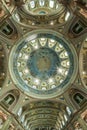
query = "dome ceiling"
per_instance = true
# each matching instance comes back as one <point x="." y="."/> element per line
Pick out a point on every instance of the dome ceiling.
<point x="42" y="7"/>
<point x="41" y="13"/>
<point x="43" y="65"/>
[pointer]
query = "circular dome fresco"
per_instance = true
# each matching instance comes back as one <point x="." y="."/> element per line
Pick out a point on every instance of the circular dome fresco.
<point x="43" y="64"/>
<point x="43" y="7"/>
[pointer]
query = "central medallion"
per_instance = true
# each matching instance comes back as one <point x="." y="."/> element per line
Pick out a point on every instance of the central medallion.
<point x="43" y="64"/>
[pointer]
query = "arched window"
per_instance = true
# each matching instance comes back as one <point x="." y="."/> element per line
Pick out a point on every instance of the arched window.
<point x="67" y="16"/>
<point x="25" y="123"/>
<point x="20" y="111"/>
<point x="78" y="27"/>
<point x="65" y="117"/>
<point x="79" y="98"/>
<point x="22" y="118"/>
<point x="63" y="122"/>
<point x="68" y="111"/>
<point x="8" y="100"/>
<point x="6" y="29"/>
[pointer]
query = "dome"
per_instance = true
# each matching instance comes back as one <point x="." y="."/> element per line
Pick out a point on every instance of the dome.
<point x="43" y="64"/>
<point x="42" y="7"/>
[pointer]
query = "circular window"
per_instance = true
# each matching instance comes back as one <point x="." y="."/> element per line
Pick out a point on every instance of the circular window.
<point x="43" y="64"/>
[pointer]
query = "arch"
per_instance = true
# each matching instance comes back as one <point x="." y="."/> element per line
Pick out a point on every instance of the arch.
<point x="77" y="97"/>
<point x="10" y="98"/>
<point x="6" y="29"/>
